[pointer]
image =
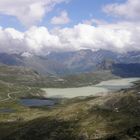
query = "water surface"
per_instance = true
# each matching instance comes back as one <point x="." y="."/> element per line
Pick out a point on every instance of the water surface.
<point x="6" y="110"/>
<point x="100" y="89"/>
<point x="36" y="102"/>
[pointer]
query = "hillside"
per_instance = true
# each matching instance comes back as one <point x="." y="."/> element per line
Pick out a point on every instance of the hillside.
<point x="20" y="75"/>
<point x="18" y="82"/>
<point x="113" y="117"/>
<point x="86" y="79"/>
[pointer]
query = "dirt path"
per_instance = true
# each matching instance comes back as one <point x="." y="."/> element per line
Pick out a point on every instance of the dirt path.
<point x="9" y="95"/>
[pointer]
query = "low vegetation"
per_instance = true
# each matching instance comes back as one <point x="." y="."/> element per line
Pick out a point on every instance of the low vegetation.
<point x="103" y="118"/>
<point x="23" y="76"/>
<point x="112" y="117"/>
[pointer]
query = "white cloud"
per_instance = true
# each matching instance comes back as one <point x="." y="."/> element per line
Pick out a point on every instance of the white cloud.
<point x="27" y="11"/>
<point x="82" y="36"/>
<point x="91" y="34"/>
<point x="128" y="10"/>
<point x="39" y="40"/>
<point x="119" y="37"/>
<point x="11" y="40"/>
<point x="61" y="19"/>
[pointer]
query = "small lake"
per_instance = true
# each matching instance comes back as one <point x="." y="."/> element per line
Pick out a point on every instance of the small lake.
<point x="36" y="102"/>
<point x="96" y="90"/>
<point x="102" y="88"/>
<point x="6" y="110"/>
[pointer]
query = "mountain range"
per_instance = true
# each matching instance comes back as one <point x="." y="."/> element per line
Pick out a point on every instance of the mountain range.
<point x="76" y="62"/>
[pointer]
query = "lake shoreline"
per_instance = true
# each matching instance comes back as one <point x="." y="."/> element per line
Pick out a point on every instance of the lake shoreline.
<point x="101" y="89"/>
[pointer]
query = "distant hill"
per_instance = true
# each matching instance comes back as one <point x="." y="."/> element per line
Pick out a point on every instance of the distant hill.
<point x="20" y="75"/>
<point x="76" y="62"/>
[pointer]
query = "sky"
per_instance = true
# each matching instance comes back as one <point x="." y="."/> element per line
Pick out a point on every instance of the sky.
<point x="41" y="26"/>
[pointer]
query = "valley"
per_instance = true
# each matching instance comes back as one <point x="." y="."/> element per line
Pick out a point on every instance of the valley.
<point x="100" y="102"/>
<point x="115" y="116"/>
<point x="28" y="112"/>
<point x="69" y="70"/>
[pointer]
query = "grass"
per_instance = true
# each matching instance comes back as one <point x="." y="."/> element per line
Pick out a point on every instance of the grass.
<point x="27" y="77"/>
<point x="102" y="118"/>
<point x="72" y="121"/>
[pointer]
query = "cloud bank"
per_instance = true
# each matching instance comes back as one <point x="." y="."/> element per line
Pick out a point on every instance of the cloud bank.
<point x="119" y="37"/>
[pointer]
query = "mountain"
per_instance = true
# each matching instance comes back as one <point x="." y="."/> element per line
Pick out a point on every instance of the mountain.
<point x="130" y="57"/>
<point x="75" y="62"/>
<point x="112" y="117"/>
<point x="11" y="59"/>
<point x="126" y="70"/>
<point x="83" y="60"/>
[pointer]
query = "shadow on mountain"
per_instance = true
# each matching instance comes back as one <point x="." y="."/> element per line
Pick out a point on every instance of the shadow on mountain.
<point x="126" y="70"/>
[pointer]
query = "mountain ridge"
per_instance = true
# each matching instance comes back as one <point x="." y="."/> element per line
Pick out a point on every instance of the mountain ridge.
<point x="74" y="62"/>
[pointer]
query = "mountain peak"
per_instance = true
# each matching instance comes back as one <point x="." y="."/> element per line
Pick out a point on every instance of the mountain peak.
<point x="26" y="54"/>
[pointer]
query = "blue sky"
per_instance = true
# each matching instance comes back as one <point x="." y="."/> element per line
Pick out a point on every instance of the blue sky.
<point x="78" y="10"/>
<point x="41" y="26"/>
